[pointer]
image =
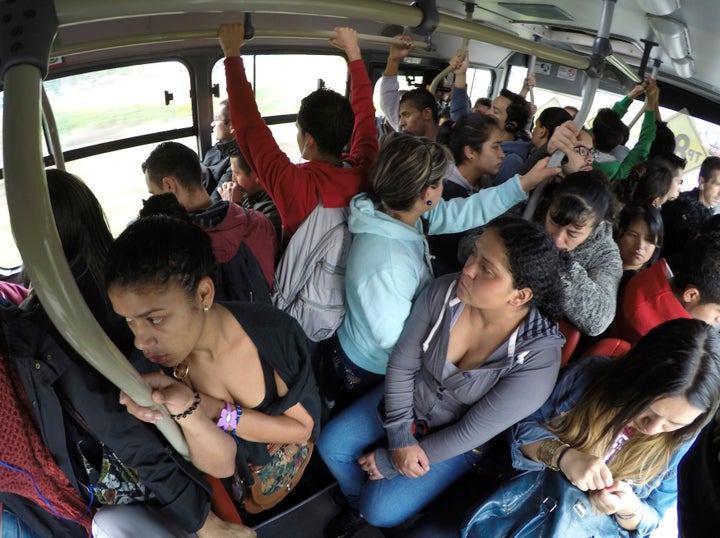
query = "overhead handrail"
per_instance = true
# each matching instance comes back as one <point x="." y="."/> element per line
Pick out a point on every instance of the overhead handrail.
<point x="73" y="12"/>
<point x="601" y="50"/>
<point x="642" y="110"/>
<point x="188" y="35"/>
<point x="469" y="10"/>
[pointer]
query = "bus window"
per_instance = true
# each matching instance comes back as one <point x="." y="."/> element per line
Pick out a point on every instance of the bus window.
<point x="479" y="83"/>
<point x="280" y="82"/>
<point x="694" y="137"/>
<point x="112" y="104"/>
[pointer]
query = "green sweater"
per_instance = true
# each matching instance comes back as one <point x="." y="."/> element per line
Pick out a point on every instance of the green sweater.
<point x="617" y="170"/>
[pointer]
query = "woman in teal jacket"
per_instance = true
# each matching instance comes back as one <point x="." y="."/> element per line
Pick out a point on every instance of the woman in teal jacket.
<point x="389" y="263"/>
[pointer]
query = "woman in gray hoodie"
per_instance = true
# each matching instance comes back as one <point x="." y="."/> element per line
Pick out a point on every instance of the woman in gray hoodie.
<point x="480" y="351"/>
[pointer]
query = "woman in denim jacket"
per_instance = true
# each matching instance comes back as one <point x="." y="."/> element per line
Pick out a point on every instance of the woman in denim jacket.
<point x="617" y="429"/>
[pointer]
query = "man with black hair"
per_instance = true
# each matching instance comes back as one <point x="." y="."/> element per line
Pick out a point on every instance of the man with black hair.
<point x="174" y="168"/>
<point x="708" y="190"/>
<point x="657" y="294"/>
<point x="512" y="113"/>
<point x="326" y="122"/>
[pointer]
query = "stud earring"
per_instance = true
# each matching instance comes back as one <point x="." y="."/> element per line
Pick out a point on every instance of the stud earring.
<point x="429" y="202"/>
<point x="205" y="308"/>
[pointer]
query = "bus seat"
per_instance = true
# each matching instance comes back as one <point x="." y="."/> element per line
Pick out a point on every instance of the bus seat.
<point x="572" y="337"/>
<point x="612" y="347"/>
<point x="221" y="502"/>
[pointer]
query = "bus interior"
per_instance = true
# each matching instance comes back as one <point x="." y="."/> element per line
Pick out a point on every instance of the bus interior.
<point x="120" y="77"/>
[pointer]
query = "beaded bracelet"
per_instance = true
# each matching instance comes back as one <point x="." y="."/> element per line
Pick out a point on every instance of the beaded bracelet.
<point x="229" y="418"/>
<point x="189" y="411"/>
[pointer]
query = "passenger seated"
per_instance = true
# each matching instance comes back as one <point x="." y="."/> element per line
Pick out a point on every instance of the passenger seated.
<point x="708" y="190"/>
<point x="173" y="167"/>
<point x="690" y="290"/>
<point x="246" y="361"/>
<point x="639" y="236"/>
<point x="245" y="189"/>
<point x="474" y="142"/>
<point x="616" y="429"/>
<point x="578" y="220"/>
<point x="471" y="344"/>
<point x="609" y="131"/>
<point x="94" y="442"/>
<point x="326" y="121"/>
<point x="216" y="162"/>
<point x="388" y="263"/>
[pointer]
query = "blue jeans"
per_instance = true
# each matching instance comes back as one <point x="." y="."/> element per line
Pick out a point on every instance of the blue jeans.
<point x="13" y="527"/>
<point x="383" y="503"/>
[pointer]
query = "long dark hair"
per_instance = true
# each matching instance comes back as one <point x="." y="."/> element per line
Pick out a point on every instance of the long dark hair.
<point x="471" y="130"/>
<point x="581" y="197"/>
<point x="80" y="221"/>
<point x="651" y="216"/>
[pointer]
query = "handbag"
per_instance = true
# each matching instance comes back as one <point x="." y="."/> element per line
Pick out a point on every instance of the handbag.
<point x="539" y="504"/>
<point x="274" y="480"/>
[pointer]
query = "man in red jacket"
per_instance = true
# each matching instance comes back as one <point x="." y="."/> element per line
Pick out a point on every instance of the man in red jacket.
<point x="326" y="121"/>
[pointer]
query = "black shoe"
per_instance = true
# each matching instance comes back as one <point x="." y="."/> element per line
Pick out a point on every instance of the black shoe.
<point x="345" y="524"/>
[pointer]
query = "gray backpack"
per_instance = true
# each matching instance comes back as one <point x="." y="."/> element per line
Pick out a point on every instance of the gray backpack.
<point x="310" y="277"/>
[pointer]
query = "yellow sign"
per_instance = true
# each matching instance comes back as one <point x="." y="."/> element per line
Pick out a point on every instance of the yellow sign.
<point x="688" y="143"/>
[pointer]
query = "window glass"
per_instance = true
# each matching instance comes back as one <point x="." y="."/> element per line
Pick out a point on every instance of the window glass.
<point x="111" y="104"/>
<point x="281" y="81"/>
<point x="479" y="82"/>
<point x="115" y="178"/>
<point x="695" y="138"/>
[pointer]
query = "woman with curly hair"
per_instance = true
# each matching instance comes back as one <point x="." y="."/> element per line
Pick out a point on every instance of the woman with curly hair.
<point x="472" y="344"/>
<point x="617" y="429"/>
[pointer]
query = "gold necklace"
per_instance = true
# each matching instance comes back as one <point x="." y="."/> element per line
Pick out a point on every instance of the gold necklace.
<point x="181" y="371"/>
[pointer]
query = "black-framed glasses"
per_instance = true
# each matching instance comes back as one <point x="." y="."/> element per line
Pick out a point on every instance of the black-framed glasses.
<point x="584" y="151"/>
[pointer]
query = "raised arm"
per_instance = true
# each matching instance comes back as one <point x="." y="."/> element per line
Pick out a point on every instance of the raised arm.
<point x="459" y="101"/>
<point x="364" y="145"/>
<point x="389" y="96"/>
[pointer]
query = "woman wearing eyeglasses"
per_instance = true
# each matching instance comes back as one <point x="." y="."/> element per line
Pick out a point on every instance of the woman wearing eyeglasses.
<point x="389" y="263"/>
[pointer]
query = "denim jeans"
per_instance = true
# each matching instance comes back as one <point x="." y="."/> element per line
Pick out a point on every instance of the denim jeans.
<point x="383" y="503"/>
<point x="13" y="527"/>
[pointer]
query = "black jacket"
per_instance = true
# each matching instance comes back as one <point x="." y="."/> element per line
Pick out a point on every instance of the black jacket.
<point x="54" y="377"/>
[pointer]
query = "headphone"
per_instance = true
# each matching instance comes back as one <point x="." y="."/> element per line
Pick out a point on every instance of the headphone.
<point x="511" y="127"/>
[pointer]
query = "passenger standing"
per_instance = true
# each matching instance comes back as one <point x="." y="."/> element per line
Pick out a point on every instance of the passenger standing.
<point x="326" y="121"/>
<point x="172" y="167"/>
<point x="708" y="190"/>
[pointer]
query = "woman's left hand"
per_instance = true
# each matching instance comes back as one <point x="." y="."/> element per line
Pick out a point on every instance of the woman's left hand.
<point x="410" y="461"/>
<point x="617" y="498"/>
<point x="166" y="391"/>
<point x="367" y="464"/>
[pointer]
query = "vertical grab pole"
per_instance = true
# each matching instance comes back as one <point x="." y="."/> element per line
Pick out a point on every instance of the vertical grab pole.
<point x="51" y="128"/>
<point x="601" y="50"/>
<point x="23" y="64"/>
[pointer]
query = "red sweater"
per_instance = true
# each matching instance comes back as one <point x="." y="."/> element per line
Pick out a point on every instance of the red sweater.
<point x="295" y="188"/>
<point x="647" y="302"/>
